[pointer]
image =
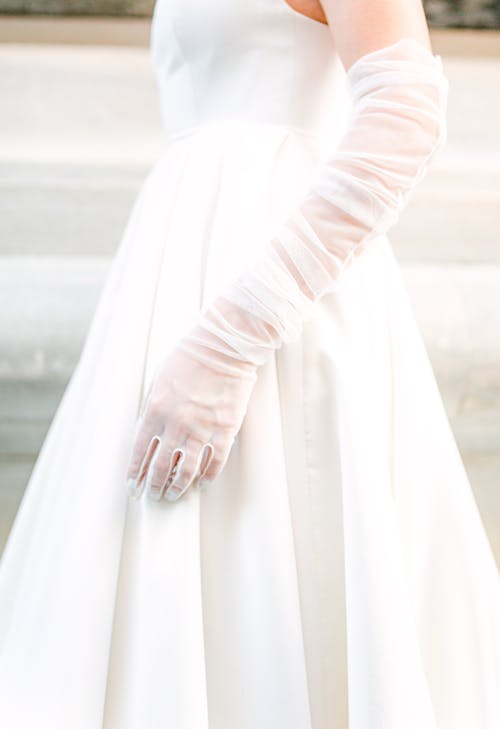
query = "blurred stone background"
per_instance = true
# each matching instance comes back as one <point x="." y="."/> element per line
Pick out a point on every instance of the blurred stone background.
<point x="139" y="8"/>
<point x="463" y="13"/>
<point x="79" y="131"/>
<point x="440" y="13"/>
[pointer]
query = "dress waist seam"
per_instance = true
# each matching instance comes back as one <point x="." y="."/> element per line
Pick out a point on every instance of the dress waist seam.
<point x="171" y="137"/>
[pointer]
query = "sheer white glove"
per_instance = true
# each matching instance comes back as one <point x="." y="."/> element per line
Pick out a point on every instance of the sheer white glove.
<point x="397" y="124"/>
<point x="188" y="423"/>
<point x="200" y="395"/>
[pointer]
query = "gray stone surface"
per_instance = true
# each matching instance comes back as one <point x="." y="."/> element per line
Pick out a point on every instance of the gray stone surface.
<point x="45" y="306"/>
<point x="74" y="209"/>
<point x="483" y="470"/>
<point x="14" y="474"/>
<point x="85" y="105"/>
<point x="440" y="13"/>
<point x="79" y="7"/>
<point x="76" y="144"/>
<point x="463" y="13"/>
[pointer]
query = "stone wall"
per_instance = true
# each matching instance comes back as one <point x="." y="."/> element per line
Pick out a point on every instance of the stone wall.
<point x="440" y="13"/>
<point x="78" y="7"/>
<point x="463" y="13"/>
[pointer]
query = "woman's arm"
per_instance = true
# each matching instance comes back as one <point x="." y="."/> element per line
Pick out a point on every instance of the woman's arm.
<point x="398" y="121"/>
<point x="362" y="26"/>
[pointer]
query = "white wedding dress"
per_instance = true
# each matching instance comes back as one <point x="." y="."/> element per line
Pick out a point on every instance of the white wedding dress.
<point x="337" y="574"/>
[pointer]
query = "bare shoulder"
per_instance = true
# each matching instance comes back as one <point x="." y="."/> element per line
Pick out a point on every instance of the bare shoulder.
<point x="310" y="8"/>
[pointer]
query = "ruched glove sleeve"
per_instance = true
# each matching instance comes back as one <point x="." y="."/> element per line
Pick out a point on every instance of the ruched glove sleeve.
<point x="397" y="124"/>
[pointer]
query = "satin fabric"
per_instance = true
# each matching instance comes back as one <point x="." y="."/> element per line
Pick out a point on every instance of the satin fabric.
<point x="337" y="573"/>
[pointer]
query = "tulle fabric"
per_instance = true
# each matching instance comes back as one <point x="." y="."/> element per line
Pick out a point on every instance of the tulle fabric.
<point x="336" y="574"/>
<point x="398" y="124"/>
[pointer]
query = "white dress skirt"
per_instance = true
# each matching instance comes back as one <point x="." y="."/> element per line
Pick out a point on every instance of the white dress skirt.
<point x="337" y="574"/>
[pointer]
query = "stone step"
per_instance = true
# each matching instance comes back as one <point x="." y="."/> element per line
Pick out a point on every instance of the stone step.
<point x="46" y="305"/>
<point x="457" y="309"/>
<point x="456" y="40"/>
<point x="82" y="210"/>
<point x="74" y="210"/>
<point x="14" y="475"/>
<point x="100" y="104"/>
<point x="116" y="8"/>
<point x="82" y="105"/>
<point x="77" y="143"/>
<point x="452" y="216"/>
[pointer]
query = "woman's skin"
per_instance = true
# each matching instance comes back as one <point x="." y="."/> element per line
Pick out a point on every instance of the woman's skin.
<point x="311" y="8"/>
<point x="361" y="26"/>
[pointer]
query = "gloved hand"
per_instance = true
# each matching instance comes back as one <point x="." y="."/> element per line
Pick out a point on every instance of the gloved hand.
<point x="398" y="122"/>
<point x="189" y="419"/>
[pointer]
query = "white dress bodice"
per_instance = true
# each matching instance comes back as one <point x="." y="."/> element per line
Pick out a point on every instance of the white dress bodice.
<point x="257" y="61"/>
